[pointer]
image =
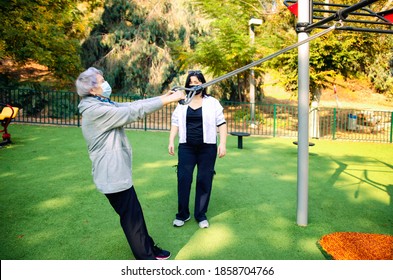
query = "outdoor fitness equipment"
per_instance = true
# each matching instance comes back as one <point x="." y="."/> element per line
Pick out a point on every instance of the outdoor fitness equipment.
<point x="304" y="25"/>
<point x="357" y="13"/>
<point x="345" y="14"/>
<point x="306" y="14"/>
<point x="190" y="95"/>
<point x="190" y="92"/>
<point x="7" y="114"/>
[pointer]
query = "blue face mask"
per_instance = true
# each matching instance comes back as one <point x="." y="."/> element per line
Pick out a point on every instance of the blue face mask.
<point x="106" y="89"/>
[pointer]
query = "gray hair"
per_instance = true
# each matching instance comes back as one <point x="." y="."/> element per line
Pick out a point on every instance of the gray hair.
<point x="86" y="81"/>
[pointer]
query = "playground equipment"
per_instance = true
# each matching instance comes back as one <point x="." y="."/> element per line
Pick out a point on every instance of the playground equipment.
<point x="348" y="15"/>
<point x="358" y="14"/>
<point x="345" y="14"/>
<point x="7" y="114"/>
<point x="190" y="92"/>
<point x="348" y="18"/>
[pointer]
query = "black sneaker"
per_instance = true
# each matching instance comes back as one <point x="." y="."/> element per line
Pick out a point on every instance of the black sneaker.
<point x="161" y="254"/>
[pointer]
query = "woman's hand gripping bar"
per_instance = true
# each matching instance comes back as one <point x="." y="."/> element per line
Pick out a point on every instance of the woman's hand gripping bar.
<point x="190" y="93"/>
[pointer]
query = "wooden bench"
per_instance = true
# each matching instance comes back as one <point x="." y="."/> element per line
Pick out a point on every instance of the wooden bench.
<point x="240" y="136"/>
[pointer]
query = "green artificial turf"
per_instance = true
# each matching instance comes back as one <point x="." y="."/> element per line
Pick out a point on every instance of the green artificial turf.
<point x="50" y="209"/>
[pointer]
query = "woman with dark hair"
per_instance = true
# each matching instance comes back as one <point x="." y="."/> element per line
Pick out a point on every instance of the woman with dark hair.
<point x="196" y="124"/>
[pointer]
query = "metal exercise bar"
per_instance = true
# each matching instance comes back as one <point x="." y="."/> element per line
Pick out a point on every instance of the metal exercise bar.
<point x="341" y="14"/>
<point x="356" y="10"/>
<point x="358" y="29"/>
<point x="362" y="21"/>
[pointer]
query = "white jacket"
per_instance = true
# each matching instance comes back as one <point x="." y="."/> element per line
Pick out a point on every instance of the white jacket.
<point x="212" y="117"/>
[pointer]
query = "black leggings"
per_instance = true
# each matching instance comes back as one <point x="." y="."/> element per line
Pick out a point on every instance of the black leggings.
<point x="204" y="157"/>
<point x="127" y="206"/>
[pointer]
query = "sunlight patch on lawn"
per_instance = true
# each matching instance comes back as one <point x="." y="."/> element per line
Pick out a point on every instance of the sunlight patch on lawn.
<point x="307" y="244"/>
<point x="288" y="177"/>
<point x="158" y="194"/>
<point x="364" y="190"/>
<point x="246" y="170"/>
<point x="275" y="240"/>
<point x="207" y="242"/>
<point x="54" y="203"/>
<point x="41" y="158"/>
<point x="7" y="174"/>
<point x="39" y="238"/>
<point x="366" y="193"/>
<point x="32" y="139"/>
<point x="157" y="164"/>
<point x="281" y="222"/>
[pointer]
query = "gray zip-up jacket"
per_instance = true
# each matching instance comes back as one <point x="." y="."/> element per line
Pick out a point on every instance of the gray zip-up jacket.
<point x="108" y="146"/>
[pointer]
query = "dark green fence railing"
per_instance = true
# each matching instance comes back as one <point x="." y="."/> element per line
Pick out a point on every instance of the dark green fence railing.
<point x="275" y="120"/>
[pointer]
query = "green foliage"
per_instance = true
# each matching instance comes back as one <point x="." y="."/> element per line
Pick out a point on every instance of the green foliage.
<point x="45" y="32"/>
<point x="144" y="47"/>
<point x="228" y="50"/>
<point x="348" y="54"/>
<point x="244" y="115"/>
<point x="228" y="45"/>
<point x="133" y="43"/>
<point x="380" y="75"/>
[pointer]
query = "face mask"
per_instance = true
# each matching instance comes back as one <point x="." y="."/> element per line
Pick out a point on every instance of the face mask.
<point x="106" y="89"/>
<point x="199" y="91"/>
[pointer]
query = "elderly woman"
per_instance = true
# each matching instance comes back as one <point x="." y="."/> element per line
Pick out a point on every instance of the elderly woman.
<point x="111" y="157"/>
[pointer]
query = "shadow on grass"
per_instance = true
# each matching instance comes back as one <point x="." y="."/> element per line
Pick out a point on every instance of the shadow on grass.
<point x="51" y="210"/>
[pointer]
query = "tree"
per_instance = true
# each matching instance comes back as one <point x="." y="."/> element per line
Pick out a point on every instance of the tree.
<point x="351" y="55"/>
<point x="228" y="45"/>
<point x="344" y="53"/>
<point x="43" y="31"/>
<point x="133" y="42"/>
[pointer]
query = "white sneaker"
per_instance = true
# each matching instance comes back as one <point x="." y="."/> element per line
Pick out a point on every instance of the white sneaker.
<point x="204" y="224"/>
<point x="179" y="223"/>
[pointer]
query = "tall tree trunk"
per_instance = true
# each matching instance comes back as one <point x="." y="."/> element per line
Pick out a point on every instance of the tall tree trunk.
<point x="316" y="93"/>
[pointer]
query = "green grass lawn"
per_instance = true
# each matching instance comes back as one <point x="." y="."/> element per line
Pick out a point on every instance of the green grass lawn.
<point x="50" y="208"/>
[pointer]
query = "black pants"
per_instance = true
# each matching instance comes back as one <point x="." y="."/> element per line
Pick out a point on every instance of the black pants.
<point x="204" y="157"/>
<point x="127" y="205"/>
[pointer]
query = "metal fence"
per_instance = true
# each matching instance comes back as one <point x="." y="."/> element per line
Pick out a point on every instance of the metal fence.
<point x="325" y="123"/>
<point x="275" y="120"/>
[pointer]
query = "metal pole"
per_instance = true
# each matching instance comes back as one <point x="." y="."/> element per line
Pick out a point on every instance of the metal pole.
<point x="391" y="128"/>
<point x="252" y="82"/>
<point x="274" y="119"/>
<point x="303" y="109"/>
<point x="251" y="25"/>
<point x="334" y="123"/>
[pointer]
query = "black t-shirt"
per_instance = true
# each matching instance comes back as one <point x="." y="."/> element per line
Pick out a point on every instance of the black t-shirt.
<point x="194" y="126"/>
